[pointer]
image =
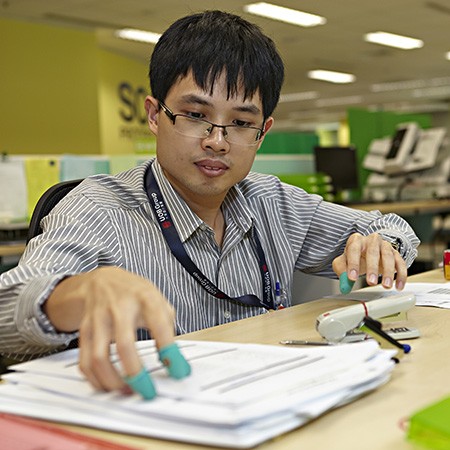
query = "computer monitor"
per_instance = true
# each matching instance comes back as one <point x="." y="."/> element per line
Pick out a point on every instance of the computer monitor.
<point x="402" y="148"/>
<point x="340" y="164"/>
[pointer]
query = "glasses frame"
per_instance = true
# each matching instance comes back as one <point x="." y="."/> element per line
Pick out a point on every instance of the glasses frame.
<point x="172" y="117"/>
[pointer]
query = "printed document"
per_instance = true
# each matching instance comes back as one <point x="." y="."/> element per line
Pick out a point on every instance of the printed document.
<point x="238" y="395"/>
<point x="427" y="294"/>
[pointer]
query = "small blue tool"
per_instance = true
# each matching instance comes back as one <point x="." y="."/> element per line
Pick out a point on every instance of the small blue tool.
<point x="345" y="285"/>
<point x="175" y="362"/>
<point x="142" y="383"/>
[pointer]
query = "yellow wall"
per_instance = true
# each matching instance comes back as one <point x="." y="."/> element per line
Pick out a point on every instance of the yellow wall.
<point x="48" y="89"/>
<point x="59" y="93"/>
<point x="123" y="85"/>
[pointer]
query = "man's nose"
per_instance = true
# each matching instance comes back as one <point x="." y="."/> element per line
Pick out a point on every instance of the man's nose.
<point x="216" y="139"/>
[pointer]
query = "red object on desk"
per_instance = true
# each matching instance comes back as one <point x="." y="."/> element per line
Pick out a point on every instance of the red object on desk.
<point x="21" y="433"/>
<point x="447" y="264"/>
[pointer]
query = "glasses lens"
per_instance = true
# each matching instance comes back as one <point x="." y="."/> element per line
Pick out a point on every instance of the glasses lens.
<point x="198" y="128"/>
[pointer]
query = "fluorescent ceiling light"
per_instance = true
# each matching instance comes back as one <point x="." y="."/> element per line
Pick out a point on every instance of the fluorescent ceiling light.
<point x="298" y="96"/>
<point x="332" y="77"/>
<point x="393" y="40"/>
<point x="440" y="91"/>
<point x="338" y="101"/>
<point x="288" y="15"/>
<point x="410" y="84"/>
<point x="137" y="35"/>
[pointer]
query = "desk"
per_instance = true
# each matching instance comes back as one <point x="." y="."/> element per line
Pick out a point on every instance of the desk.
<point x="372" y="422"/>
<point x="12" y="250"/>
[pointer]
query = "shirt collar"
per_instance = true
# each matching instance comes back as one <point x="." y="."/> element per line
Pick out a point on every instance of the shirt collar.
<point x="186" y="222"/>
<point x="235" y="207"/>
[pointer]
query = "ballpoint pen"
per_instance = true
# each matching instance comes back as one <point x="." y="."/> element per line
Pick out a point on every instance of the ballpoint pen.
<point x="304" y="342"/>
<point x="278" y="303"/>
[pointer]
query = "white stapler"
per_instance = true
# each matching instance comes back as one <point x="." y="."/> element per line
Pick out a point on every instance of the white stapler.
<point x="336" y="324"/>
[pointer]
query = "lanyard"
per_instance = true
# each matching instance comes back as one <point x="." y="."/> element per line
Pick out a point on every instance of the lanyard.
<point x="176" y="247"/>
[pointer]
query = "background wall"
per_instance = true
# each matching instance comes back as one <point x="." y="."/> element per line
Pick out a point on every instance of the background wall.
<point x="48" y="89"/>
<point x="60" y="93"/>
<point x="122" y="88"/>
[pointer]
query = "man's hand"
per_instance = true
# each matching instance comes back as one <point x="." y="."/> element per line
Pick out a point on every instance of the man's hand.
<point x="108" y="305"/>
<point x="371" y="255"/>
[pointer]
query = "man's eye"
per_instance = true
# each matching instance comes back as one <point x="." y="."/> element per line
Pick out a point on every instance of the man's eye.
<point x="241" y="123"/>
<point x="195" y="115"/>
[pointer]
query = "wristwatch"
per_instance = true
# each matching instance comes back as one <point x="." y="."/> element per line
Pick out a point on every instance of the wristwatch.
<point x="396" y="243"/>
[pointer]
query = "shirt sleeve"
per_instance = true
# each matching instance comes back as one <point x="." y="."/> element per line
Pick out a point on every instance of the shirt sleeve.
<point x="71" y="244"/>
<point x="330" y="225"/>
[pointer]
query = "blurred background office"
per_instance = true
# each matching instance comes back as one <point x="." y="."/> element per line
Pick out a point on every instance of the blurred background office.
<point x="363" y="117"/>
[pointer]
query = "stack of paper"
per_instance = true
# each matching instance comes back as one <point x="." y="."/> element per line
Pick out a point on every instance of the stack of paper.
<point x="427" y="294"/>
<point x="238" y="395"/>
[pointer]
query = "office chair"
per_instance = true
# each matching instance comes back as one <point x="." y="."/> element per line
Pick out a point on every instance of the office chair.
<point x="47" y="202"/>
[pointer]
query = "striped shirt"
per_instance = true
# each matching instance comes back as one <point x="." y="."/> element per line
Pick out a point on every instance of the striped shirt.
<point x="108" y="221"/>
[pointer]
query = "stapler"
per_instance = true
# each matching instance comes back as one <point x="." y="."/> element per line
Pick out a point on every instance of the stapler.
<point x="338" y="324"/>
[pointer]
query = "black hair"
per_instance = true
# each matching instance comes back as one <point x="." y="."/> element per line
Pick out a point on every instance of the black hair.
<point x="215" y="42"/>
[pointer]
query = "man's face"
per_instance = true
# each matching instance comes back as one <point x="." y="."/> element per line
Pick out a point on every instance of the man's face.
<point x="202" y="170"/>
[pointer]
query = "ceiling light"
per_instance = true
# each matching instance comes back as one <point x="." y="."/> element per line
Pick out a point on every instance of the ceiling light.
<point x="410" y="84"/>
<point x="298" y="96"/>
<point x="339" y="101"/>
<point x="393" y="40"/>
<point x="441" y="91"/>
<point x="447" y="55"/>
<point x="288" y="15"/>
<point x="137" y="35"/>
<point x="332" y="77"/>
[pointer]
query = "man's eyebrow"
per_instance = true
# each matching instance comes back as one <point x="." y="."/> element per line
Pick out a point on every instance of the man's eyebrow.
<point x="199" y="100"/>
<point x="192" y="98"/>
<point x="251" y="108"/>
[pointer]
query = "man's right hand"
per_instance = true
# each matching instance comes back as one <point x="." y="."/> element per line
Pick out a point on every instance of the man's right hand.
<point x="108" y="305"/>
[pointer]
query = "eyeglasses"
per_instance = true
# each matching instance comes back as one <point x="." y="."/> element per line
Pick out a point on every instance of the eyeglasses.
<point x="201" y="128"/>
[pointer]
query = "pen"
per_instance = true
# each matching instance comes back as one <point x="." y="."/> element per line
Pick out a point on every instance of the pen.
<point x="277" y="294"/>
<point x="301" y="342"/>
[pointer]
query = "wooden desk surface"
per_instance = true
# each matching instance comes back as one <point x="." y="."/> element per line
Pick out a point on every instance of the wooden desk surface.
<point x="12" y="250"/>
<point x="373" y="422"/>
<point x="408" y="207"/>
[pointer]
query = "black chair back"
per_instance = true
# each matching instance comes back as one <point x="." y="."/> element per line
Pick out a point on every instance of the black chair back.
<point x="46" y="203"/>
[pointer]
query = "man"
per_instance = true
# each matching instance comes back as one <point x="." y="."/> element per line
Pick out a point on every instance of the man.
<point x="190" y="237"/>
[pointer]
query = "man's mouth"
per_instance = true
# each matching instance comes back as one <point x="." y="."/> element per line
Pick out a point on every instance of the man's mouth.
<point x="212" y="168"/>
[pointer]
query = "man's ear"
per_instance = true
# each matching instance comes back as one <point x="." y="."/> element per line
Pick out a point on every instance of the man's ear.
<point x="152" y="110"/>
<point x="267" y="126"/>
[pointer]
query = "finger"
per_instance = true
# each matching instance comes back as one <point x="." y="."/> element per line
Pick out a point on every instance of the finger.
<point x="100" y="361"/>
<point x="159" y="317"/>
<point x="175" y="362"/>
<point x="402" y="271"/>
<point x="387" y="264"/>
<point x="84" y="344"/>
<point x="142" y="384"/>
<point x="372" y="257"/>
<point x="353" y="253"/>
<point x="136" y="375"/>
<point x="345" y="285"/>
<point x="161" y="323"/>
<point x="125" y="338"/>
<point x="339" y="265"/>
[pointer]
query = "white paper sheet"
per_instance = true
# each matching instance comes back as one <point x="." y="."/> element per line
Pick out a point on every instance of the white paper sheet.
<point x="13" y="192"/>
<point x="427" y="294"/>
<point x="238" y="395"/>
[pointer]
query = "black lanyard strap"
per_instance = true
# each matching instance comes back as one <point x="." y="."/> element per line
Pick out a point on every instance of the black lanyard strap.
<point x="176" y="247"/>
